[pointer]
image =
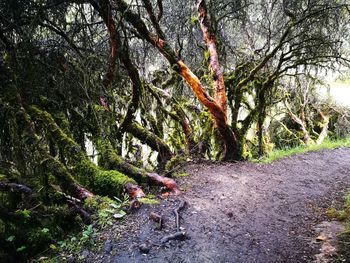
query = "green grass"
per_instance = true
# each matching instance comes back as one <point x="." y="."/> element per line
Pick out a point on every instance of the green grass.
<point x="347" y="210"/>
<point x="344" y="238"/>
<point x="327" y="144"/>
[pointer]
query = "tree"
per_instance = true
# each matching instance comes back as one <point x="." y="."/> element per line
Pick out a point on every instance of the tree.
<point x="115" y="73"/>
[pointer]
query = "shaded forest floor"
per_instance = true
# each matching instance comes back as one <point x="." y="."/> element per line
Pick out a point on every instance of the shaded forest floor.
<point x="238" y="212"/>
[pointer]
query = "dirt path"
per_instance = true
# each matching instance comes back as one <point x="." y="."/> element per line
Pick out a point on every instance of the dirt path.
<point x="240" y="212"/>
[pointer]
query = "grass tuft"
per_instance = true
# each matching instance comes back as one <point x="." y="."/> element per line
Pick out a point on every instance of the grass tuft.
<point x="283" y="153"/>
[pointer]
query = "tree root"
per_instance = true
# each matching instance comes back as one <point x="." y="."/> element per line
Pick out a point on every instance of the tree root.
<point x="177" y="236"/>
<point x="169" y="183"/>
<point x="111" y="160"/>
<point x="77" y="209"/>
<point x="176" y="212"/>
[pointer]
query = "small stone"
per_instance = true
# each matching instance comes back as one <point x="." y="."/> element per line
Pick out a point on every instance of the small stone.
<point x="144" y="248"/>
<point x="85" y="254"/>
<point x="321" y="238"/>
<point x="108" y="247"/>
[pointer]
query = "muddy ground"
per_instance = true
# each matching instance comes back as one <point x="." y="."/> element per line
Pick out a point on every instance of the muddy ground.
<point x="238" y="212"/>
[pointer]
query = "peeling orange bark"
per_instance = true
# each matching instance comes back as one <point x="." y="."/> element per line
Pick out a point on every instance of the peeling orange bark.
<point x="210" y="41"/>
<point x="169" y="183"/>
<point x="198" y="89"/>
<point x="134" y="191"/>
<point x="104" y="9"/>
<point x="215" y="107"/>
<point x="219" y="116"/>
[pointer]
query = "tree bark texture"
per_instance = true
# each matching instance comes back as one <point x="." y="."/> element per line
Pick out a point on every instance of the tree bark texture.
<point x="210" y="41"/>
<point x="217" y="112"/>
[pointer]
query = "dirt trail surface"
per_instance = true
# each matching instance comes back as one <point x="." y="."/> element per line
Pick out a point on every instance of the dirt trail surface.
<point x="239" y="212"/>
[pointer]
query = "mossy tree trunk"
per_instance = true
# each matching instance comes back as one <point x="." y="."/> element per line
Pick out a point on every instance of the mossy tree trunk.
<point x="109" y="159"/>
<point x="100" y="181"/>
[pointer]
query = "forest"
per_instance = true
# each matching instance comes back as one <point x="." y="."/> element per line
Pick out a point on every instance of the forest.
<point x="107" y="99"/>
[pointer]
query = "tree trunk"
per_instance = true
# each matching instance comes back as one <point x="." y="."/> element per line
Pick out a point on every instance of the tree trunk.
<point x="301" y="122"/>
<point x="218" y="113"/>
<point x="146" y="137"/>
<point x="103" y="182"/>
<point x="210" y="41"/>
<point x="111" y="160"/>
<point x="50" y="164"/>
<point x="179" y="117"/>
<point x="324" y="125"/>
<point x="220" y="118"/>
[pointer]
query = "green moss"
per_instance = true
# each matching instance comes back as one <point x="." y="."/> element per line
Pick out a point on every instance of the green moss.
<point x="343" y="214"/>
<point x="175" y="162"/>
<point x="331" y="213"/>
<point x="101" y="182"/>
<point x="97" y="203"/>
<point x="179" y="175"/>
<point x="149" y="201"/>
<point x="194" y="20"/>
<point x="90" y="175"/>
<point x="111" y="183"/>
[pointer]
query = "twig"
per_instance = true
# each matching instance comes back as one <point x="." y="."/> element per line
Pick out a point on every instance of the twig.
<point x="176" y="212"/>
<point x="177" y="235"/>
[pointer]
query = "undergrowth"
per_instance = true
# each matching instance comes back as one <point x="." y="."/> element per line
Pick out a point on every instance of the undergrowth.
<point x="343" y="215"/>
<point x="105" y="213"/>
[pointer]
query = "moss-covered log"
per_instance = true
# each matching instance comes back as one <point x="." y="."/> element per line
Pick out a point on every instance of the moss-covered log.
<point x="48" y="163"/>
<point x="109" y="159"/>
<point x="90" y="175"/>
<point x="64" y="177"/>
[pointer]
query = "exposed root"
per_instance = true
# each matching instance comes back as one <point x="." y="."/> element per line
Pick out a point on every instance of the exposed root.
<point x="176" y="212"/>
<point x="169" y="183"/>
<point x="177" y="236"/>
<point x="77" y="209"/>
<point x="134" y="191"/>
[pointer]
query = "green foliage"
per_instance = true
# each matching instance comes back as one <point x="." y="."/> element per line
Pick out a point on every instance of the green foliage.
<point x="327" y="144"/>
<point x="46" y="62"/>
<point x="106" y="212"/>
<point x="175" y="162"/>
<point x="194" y="20"/>
<point x="106" y="209"/>
<point x="180" y="174"/>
